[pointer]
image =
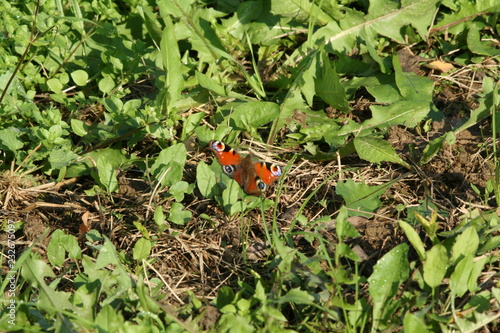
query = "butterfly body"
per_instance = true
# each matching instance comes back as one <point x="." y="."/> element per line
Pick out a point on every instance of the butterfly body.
<point x="253" y="177"/>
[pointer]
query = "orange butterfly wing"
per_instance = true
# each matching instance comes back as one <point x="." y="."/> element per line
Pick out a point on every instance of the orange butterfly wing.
<point x="252" y="177"/>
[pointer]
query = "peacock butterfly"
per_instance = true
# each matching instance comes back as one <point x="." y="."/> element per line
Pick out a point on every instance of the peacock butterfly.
<point x="253" y="177"/>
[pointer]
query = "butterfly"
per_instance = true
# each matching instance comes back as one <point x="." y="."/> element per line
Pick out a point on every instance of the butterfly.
<point x="253" y="177"/>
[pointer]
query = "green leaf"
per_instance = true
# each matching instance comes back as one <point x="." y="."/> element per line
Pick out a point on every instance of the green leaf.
<point x="205" y="180"/>
<point x="328" y="85"/>
<point x="296" y="296"/>
<point x="414" y="322"/>
<point x="477" y="46"/>
<point x="407" y="113"/>
<point x="106" y="174"/>
<point x="178" y="215"/>
<point x="434" y="146"/>
<point x="79" y="127"/>
<point x="55" y="85"/>
<point x="377" y="150"/>
<point x="106" y="85"/>
<point x="466" y="244"/>
<point x="9" y="139"/>
<point x="142" y="249"/>
<point x="388" y="274"/>
<point x="249" y="116"/>
<point x="60" y="244"/>
<point x="459" y="279"/>
<point x="414" y="239"/>
<point x="172" y="64"/>
<point x="412" y="86"/>
<point x="159" y="217"/>
<point x="179" y="189"/>
<point x="343" y="228"/>
<point x="80" y="77"/>
<point x="168" y="167"/>
<point x="61" y="157"/>
<point x="361" y="199"/>
<point x="435" y="265"/>
<point x="55" y="250"/>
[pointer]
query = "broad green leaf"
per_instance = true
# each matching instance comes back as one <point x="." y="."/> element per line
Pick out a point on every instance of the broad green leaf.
<point x="106" y="174"/>
<point x="142" y="249"/>
<point x="293" y="101"/>
<point x="225" y="296"/>
<point x="205" y="180"/>
<point x="159" y="217"/>
<point x="343" y="228"/>
<point x="328" y="85"/>
<point x="388" y="274"/>
<point x="414" y="322"/>
<point x="434" y="146"/>
<point x="80" y="77"/>
<point x="106" y="85"/>
<point x="435" y="265"/>
<point x="477" y="269"/>
<point x="55" y="85"/>
<point x="390" y="271"/>
<point x="168" y="167"/>
<point x="466" y="244"/>
<point x="79" y="127"/>
<point x="361" y="199"/>
<point x="296" y="296"/>
<point x="55" y="249"/>
<point x="179" y="189"/>
<point x="377" y="150"/>
<point x="390" y="23"/>
<point x="191" y="123"/>
<point x="178" y="215"/>
<point x="407" y="113"/>
<point x="459" y="279"/>
<point x="9" y="139"/>
<point x="411" y="86"/>
<point x="113" y="104"/>
<point x="151" y="23"/>
<point x="249" y="116"/>
<point x="477" y="46"/>
<point x="61" y="157"/>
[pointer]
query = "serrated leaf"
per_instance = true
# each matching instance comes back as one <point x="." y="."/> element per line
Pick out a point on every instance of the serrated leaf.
<point x="377" y="150"/>
<point x="360" y="198"/>
<point x="9" y="139"/>
<point x="61" y="157"/>
<point x="328" y="85"/>
<point x="406" y="113"/>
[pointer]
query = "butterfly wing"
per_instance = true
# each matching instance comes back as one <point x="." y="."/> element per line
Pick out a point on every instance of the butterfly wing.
<point x="267" y="172"/>
<point x="225" y="154"/>
<point x="252" y="177"/>
<point x="228" y="158"/>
